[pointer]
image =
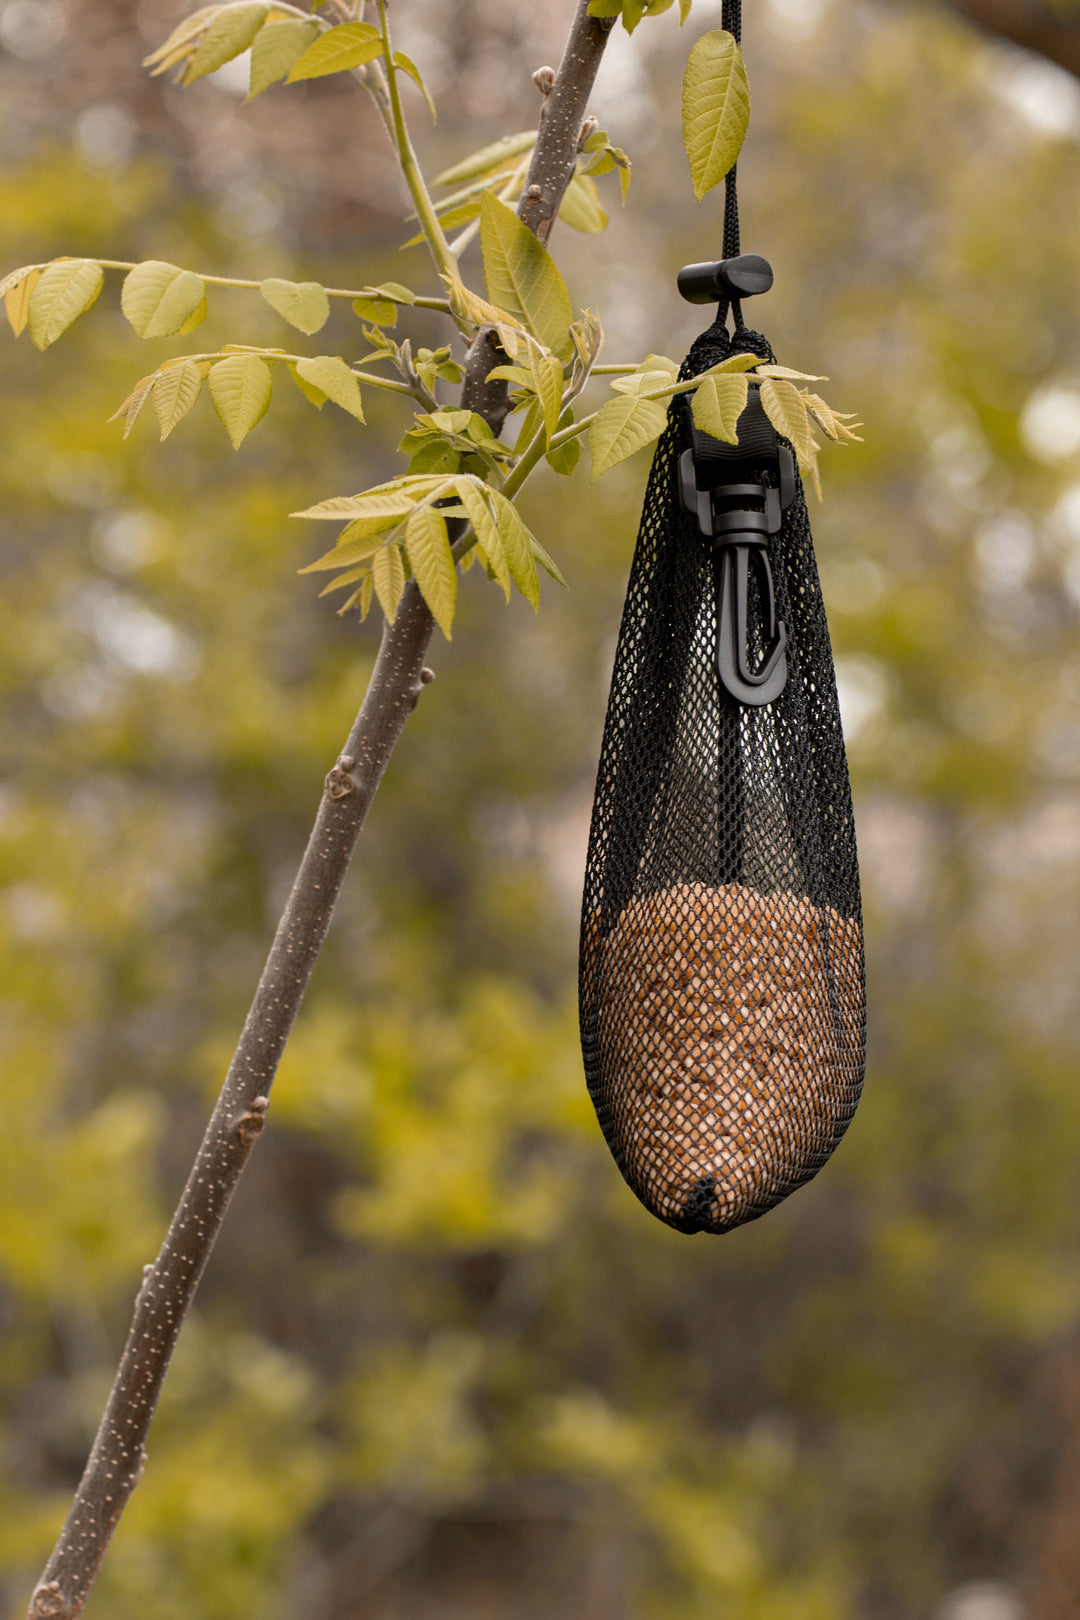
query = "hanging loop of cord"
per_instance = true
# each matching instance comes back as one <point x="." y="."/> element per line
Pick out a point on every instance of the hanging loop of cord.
<point x="731" y="19"/>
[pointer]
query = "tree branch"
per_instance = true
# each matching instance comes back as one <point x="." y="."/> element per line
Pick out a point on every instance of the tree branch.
<point x="118" y="1454"/>
<point x="1027" y="23"/>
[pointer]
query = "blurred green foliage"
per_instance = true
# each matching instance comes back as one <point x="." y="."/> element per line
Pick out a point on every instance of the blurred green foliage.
<point x="442" y="1364"/>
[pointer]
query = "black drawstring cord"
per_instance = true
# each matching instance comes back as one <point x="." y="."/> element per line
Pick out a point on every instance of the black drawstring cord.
<point x="731" y="19"/>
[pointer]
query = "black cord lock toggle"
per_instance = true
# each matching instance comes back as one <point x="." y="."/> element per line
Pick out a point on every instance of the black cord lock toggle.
<point x="725" y="279"/>
<point x="738" y="508"/>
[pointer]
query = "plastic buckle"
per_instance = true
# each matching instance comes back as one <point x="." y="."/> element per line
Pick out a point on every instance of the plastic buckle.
<point x="738" y="513"/>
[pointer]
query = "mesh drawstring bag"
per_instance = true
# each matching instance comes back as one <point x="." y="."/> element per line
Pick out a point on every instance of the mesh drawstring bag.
<point x="721" y="984"/>
<point x="722" y="998"/>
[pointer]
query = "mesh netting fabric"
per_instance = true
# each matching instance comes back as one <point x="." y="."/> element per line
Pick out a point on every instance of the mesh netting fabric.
<point x="722" y="989"/>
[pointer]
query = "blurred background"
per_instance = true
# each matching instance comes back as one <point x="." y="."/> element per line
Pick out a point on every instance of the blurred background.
<point x="442" y="1364"/>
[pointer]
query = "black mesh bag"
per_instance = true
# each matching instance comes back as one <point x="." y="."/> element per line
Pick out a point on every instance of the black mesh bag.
<point x="722" y="992"/>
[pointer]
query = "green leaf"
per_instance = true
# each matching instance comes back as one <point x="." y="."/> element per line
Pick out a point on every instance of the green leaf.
<point x="175" y="392"/>
<point x="547" y="563"/>
<point x="355" y="542"/>
<point x="622" y="426"/>
<point x="380" y="509"/>
<point x="230" y="33"/>
<point x="517" y="544"/>
<point x="428" y="548"/>
<point x="645" y="381"/>
<point x="182" y="38"/>
<point x="65" y="291"/>
<point x="580" y="207"/>
<point x="717" y="403"/>
<point x="159" y="298"/>
<point x="487" y="159"/>
<point x="565" y="459"/>
<point x="407" y="65"/>
<point x="240" y="387"/>
<point x="715" y="108"/>
<point x="196" y="318"/>
<point x="684" y="10"/>
<point x="486" y="530"/>
<point x="277" y="47"/>
<point x="329" y="373"/>
<point x="394" y="290"/>
<point x="303" y="304"/>
<point x="522" y="277"/>
<point x="547" y="374"/>
<point x="388" y="575"/>
<point x="769" y="370"/>
<point x="134" y="403"/>
<point x="349" y="45"/>
<point x="787" y="411"/>
<point x="17" y="292"/>
<point x="315" y="396"/>
<point x="379" y="310"/>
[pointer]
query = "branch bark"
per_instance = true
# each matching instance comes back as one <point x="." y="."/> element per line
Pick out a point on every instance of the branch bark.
<point x="1027" y="23"/>
<point x="168" y="1288"/>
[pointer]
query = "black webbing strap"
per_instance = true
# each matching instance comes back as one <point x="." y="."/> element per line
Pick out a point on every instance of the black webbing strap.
<point x="732" y="20"/>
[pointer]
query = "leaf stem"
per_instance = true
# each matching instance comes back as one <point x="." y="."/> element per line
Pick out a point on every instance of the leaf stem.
<point x="410" y="168"/>
<point x="331" y="292"/>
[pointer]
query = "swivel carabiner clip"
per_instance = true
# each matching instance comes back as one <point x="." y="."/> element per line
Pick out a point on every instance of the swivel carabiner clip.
<point x="725" y="487"/>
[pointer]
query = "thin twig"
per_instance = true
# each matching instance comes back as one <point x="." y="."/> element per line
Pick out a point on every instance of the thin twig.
<point x="118" y="1454"/>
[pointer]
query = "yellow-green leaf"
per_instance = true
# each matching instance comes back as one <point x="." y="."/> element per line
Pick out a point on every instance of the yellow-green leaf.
<point x="717" y="403"/>
<point x="487" y="159"/>
<point x="388" y="576"/>
<point x="196" y="318"/>
<point x="580" y="207"/>
<point x="66" y="289"/>
<point x="407" y="65"/>
<point x="349" y="45"/>
<point x="715" y="108"/>
<point x="303" y="304"/>
<point x="329" y="373"/>
<point x="394" y="290"/>
<point x="485" y="528"/>
<point x="769" y="370"/>
<point x="175" y="392"/>
<point x="159" y="299"/>
<point x="379" y="310"/>
<point x="276" y="48"/>
<point x="183" y="36"/>
<point x="17" y="298"/>
<point x="240" y="387"/>
<point x="134" y="403"/>
<point x="381" y="510"/>
<point x="310" y="393"/>
<point x="517" y="544"/>
<point x="230" y="33"/>
<point x="427" y="546"/>
<point x="547" y="375"/>
<point x="522" y="277"/>
<point x="622" y="426"/>
<point x="354" y="543"/>
<point x="786" y="409"/>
